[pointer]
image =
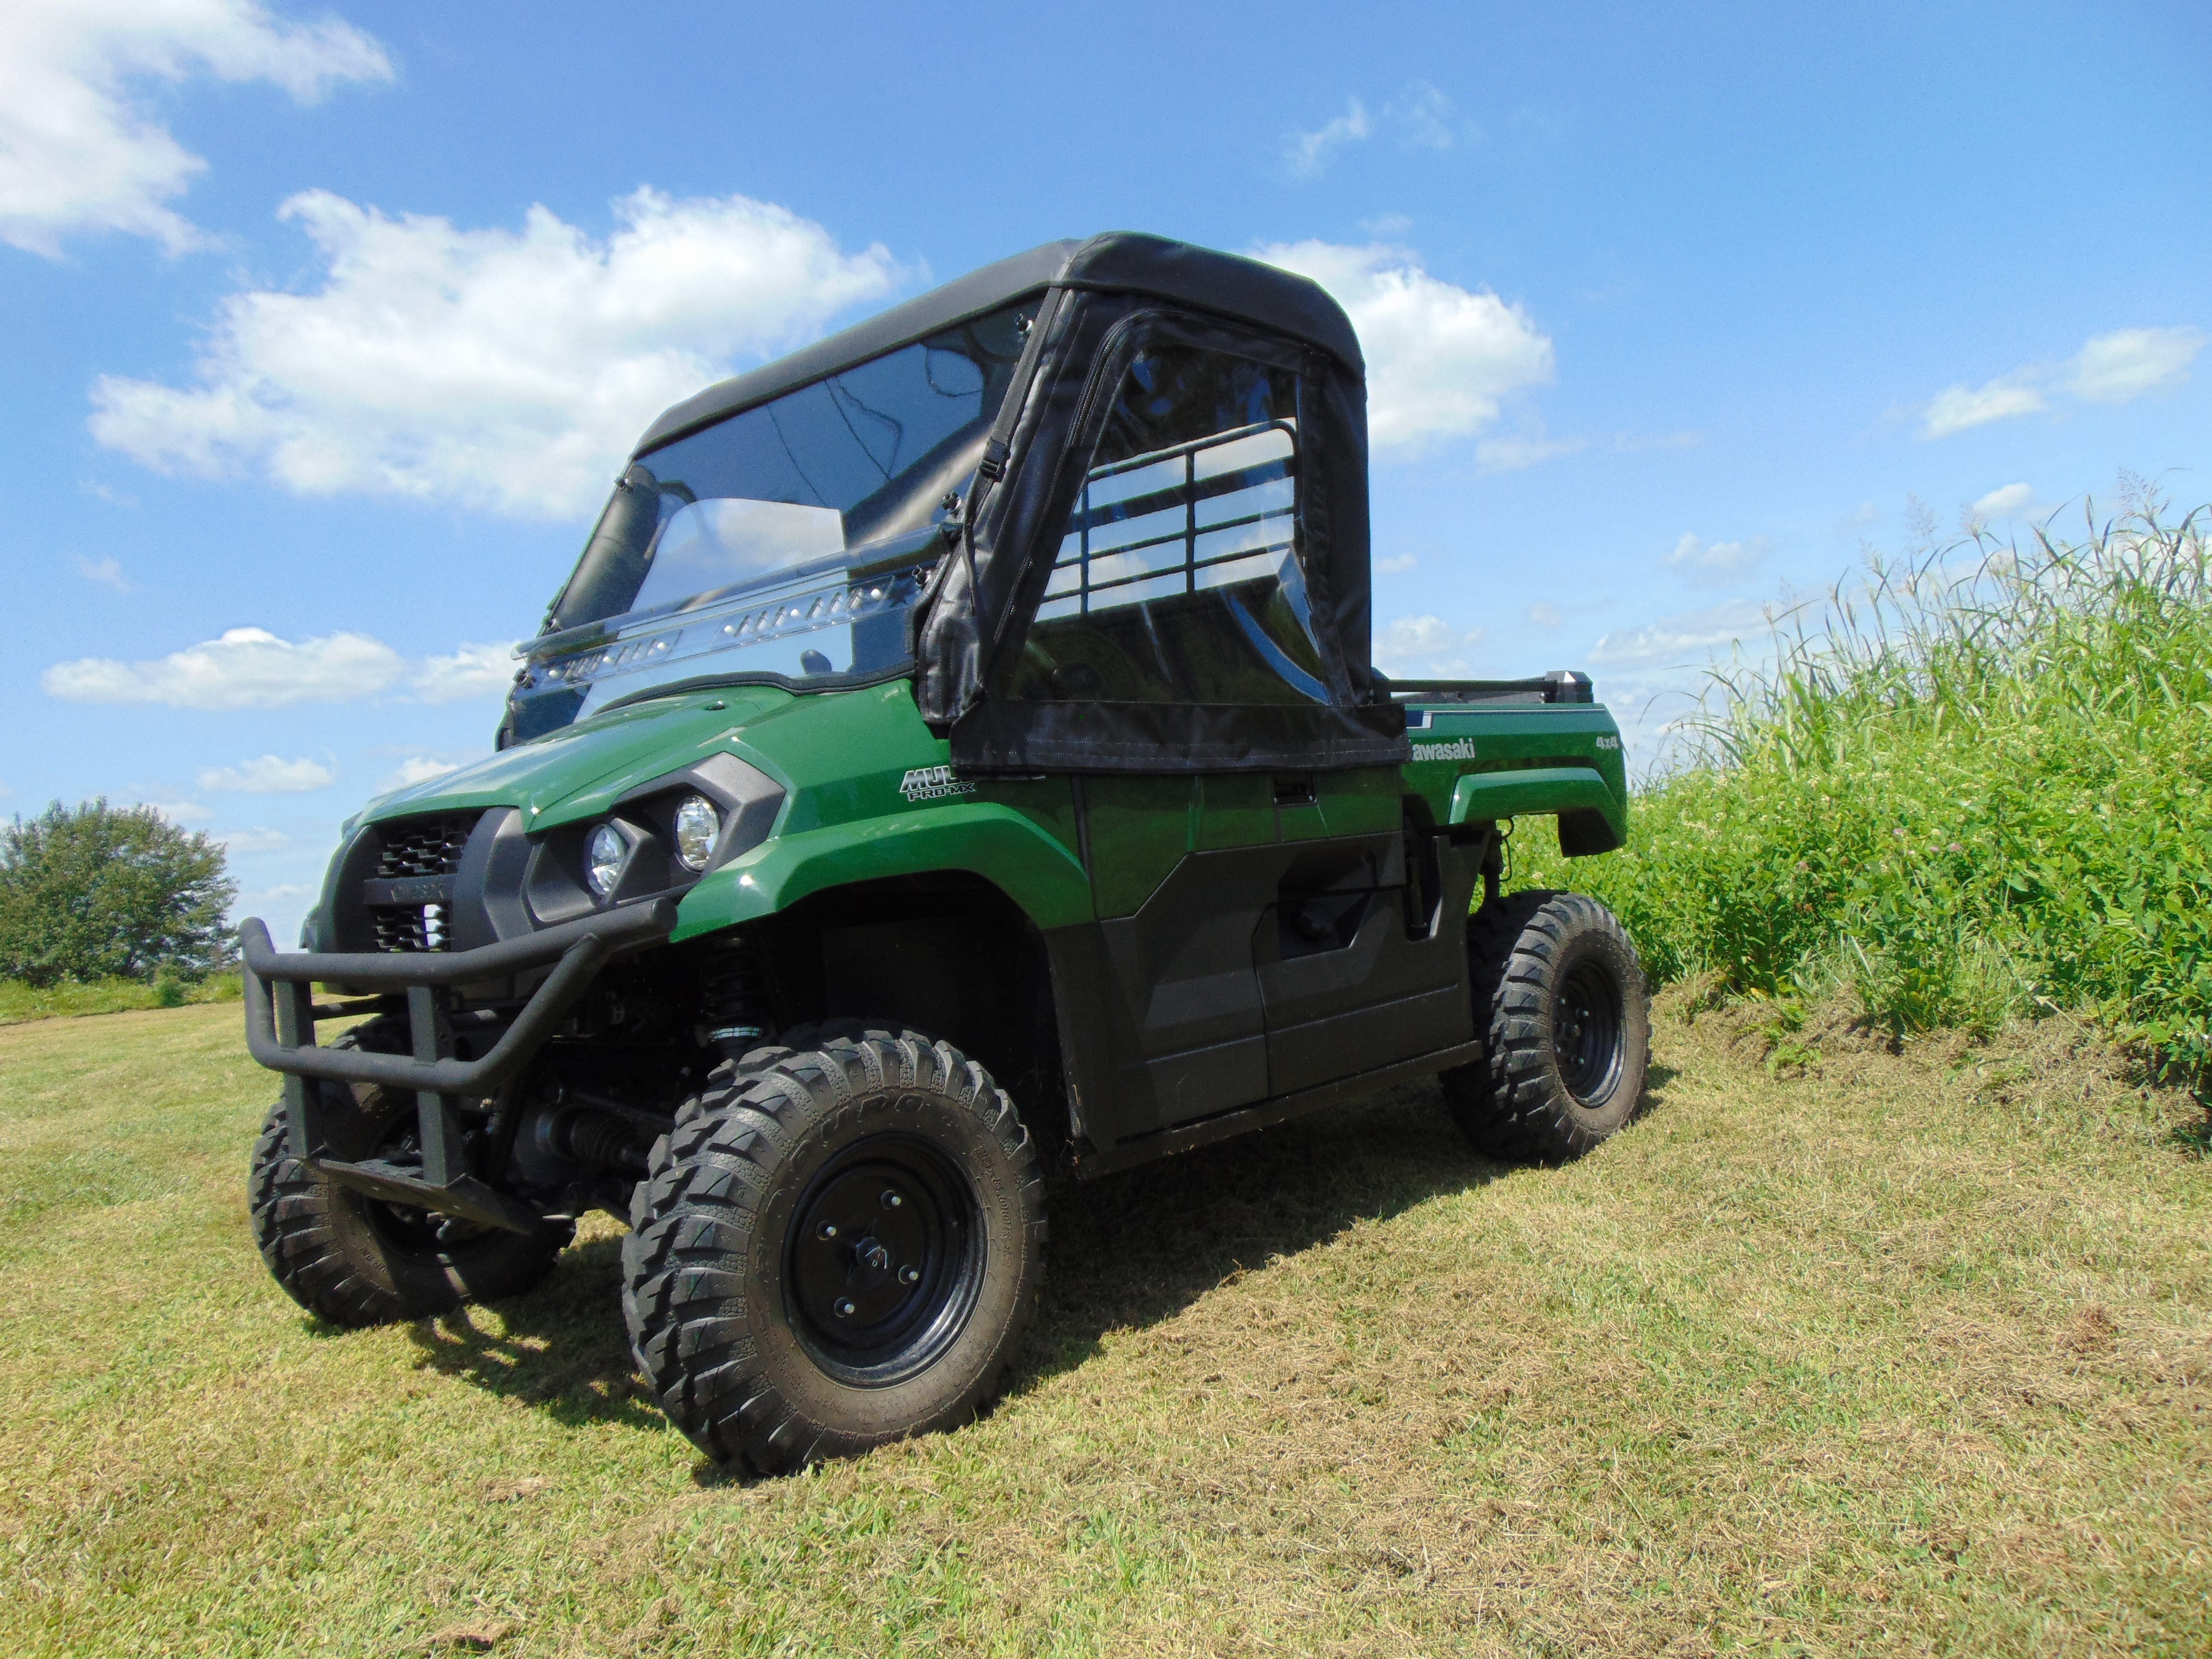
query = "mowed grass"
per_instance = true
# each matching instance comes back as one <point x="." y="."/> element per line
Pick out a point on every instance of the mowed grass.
<point x="1909" y="1354"/>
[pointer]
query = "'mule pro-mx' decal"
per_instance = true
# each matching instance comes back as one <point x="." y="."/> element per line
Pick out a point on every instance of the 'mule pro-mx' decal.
<point x="933" y="783"/>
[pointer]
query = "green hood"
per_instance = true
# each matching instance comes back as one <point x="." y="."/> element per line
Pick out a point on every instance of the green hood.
<point x="606" y="753"/>
<point x="839" y="755"/>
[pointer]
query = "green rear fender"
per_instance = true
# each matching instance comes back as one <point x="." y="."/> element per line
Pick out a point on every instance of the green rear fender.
<point x="1562" y="790"/>
<point x="997" y="842"/>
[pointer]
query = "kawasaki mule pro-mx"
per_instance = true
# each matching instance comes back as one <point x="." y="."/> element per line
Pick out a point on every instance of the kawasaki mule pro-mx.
<point x="956" y="757"/>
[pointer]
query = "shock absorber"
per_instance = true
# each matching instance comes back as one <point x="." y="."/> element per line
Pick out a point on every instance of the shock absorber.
<point x="733" y="993"/>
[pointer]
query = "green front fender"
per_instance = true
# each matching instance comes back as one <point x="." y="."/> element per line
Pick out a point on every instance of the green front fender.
<point x="982" y="837"/>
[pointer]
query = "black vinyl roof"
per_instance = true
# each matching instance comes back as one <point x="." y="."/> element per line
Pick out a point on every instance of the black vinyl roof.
<point x="1120" y="261"/>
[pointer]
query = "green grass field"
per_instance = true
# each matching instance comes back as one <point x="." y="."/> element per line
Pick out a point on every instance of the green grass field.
<point x="1908" y="1353"/>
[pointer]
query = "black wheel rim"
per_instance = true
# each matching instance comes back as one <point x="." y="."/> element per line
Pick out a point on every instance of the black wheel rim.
<point x="1586" y="1032"/>
<point x="882" y="1260"/>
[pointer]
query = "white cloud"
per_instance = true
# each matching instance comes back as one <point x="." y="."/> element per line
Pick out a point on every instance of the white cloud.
<point x="2109" y="368"/>
<point x="1545" y="615"/>
<point x="181" y="812"/>
<point x="1422" y="116"/>
<point x="1717" y="561"/>
<point x="1414" y="647"/>
<point x="79" y="153"/>
<point x="2119" y="367"/>
<point x="271" y="774"/>
<point x="253" y="841"/>
<point x="474" y="671"/>
<point x="2006" y="502"/>
<point x="1306" y="150"/>
<point x="107" y="572"/>
<point x="1685" y="639"/>
<point x="253" y="668"/>
<point x="1858" y="518"/>
<point x="1956" y="409"/>
<point x="1439" y="357"/>
<point x="283" y="891"/>
<point x="418" y="768"/>
<point x="246" y="668"/>
<point x="1511" y="454"/>
<point x="1419" y="117"/>
<point x="508" y="370"/>
<point x="1632" y="443"/>
<point x="1396" y="565"/>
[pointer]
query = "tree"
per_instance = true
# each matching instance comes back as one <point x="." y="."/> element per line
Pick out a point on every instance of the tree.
<point x="110" y="890"/>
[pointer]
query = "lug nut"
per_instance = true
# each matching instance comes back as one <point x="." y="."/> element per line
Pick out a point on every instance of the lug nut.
<point x="845" y="1307"/>
<point x="909" y="1275"/>
<point x="827" y="1229"/>
<point x="893" y="1199"/>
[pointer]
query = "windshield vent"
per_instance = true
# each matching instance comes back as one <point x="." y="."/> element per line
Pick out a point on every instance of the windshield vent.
<point x="425" y="847"/>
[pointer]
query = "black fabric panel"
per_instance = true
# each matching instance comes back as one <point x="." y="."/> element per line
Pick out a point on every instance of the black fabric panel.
<point x="1274" y="299"/>
<point x="1038" y="516"/>
<point x="1166" y="737"/>
<point x="973" y="584"/>
<point x="1124" y="261"/>
<point x="1341" y="474"/>
<point x="940" y="308"/>
<point x="976" y="621"/>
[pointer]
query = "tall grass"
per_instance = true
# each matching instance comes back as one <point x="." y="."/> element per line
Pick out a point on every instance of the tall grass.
<point x="1977" y="784"/>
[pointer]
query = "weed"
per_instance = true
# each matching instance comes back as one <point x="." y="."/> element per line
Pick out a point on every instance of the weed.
<point x="1976" y="787"/>
<point x="68" y="998"/>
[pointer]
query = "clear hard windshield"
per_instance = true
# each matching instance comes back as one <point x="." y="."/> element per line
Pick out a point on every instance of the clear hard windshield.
<point x="784" y="540"/>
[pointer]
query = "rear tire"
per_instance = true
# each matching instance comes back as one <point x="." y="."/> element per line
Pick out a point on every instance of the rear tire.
<point x="836" y="1248"/>
<point x="1567" y="1034"/>
<point x="356" y="1261"/>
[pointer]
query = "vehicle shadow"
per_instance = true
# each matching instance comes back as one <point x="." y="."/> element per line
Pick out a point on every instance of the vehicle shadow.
<point x="1131" y="1249"/>
<point x="563" y="1346"/>
<point x="1126" y="1251"/>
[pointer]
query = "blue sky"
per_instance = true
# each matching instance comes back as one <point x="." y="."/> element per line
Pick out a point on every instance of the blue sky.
<point x="325" y="328"/>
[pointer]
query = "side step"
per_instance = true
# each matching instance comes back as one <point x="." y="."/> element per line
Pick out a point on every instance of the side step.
<point x="465" y="1196"/>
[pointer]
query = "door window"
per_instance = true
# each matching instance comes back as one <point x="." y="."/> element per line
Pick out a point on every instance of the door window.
<point x="1179" y="577"/>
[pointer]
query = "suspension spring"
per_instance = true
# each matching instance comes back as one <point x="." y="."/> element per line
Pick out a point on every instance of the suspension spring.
<point x="733" y="995"/>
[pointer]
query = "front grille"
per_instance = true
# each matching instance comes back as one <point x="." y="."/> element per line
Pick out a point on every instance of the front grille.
<point x="429" y="846"/>
<point x="425" y="847"/>
<point x="410" y="926"/>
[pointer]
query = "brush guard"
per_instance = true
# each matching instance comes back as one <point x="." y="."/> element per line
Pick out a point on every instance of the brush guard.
<point x="280" y="1034"/>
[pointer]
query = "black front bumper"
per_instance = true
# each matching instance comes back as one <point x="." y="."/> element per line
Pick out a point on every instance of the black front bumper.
<point x="280" y="1033"/>
<point x="280" y="1030"/>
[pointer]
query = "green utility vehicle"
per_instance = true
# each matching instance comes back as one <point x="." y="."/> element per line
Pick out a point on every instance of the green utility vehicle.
<point x="954" y="759"/>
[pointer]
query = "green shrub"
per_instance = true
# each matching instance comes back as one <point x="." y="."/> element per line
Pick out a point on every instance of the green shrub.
<point x="101" y="892"/>
<point x="1981" y="785"/>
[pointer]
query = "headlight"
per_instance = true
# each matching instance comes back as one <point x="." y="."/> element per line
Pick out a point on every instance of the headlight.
<point x="698" y="827"/>
<point x="602" y="859"/>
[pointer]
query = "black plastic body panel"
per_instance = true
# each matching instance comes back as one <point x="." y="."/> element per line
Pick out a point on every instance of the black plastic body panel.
<point x="1193" y="1006"/>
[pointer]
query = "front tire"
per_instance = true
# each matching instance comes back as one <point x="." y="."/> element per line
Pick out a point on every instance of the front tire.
<point x="836" y="1248"/>
<point x="1567" y="1033"/>
<point x="357" y="1260"/>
